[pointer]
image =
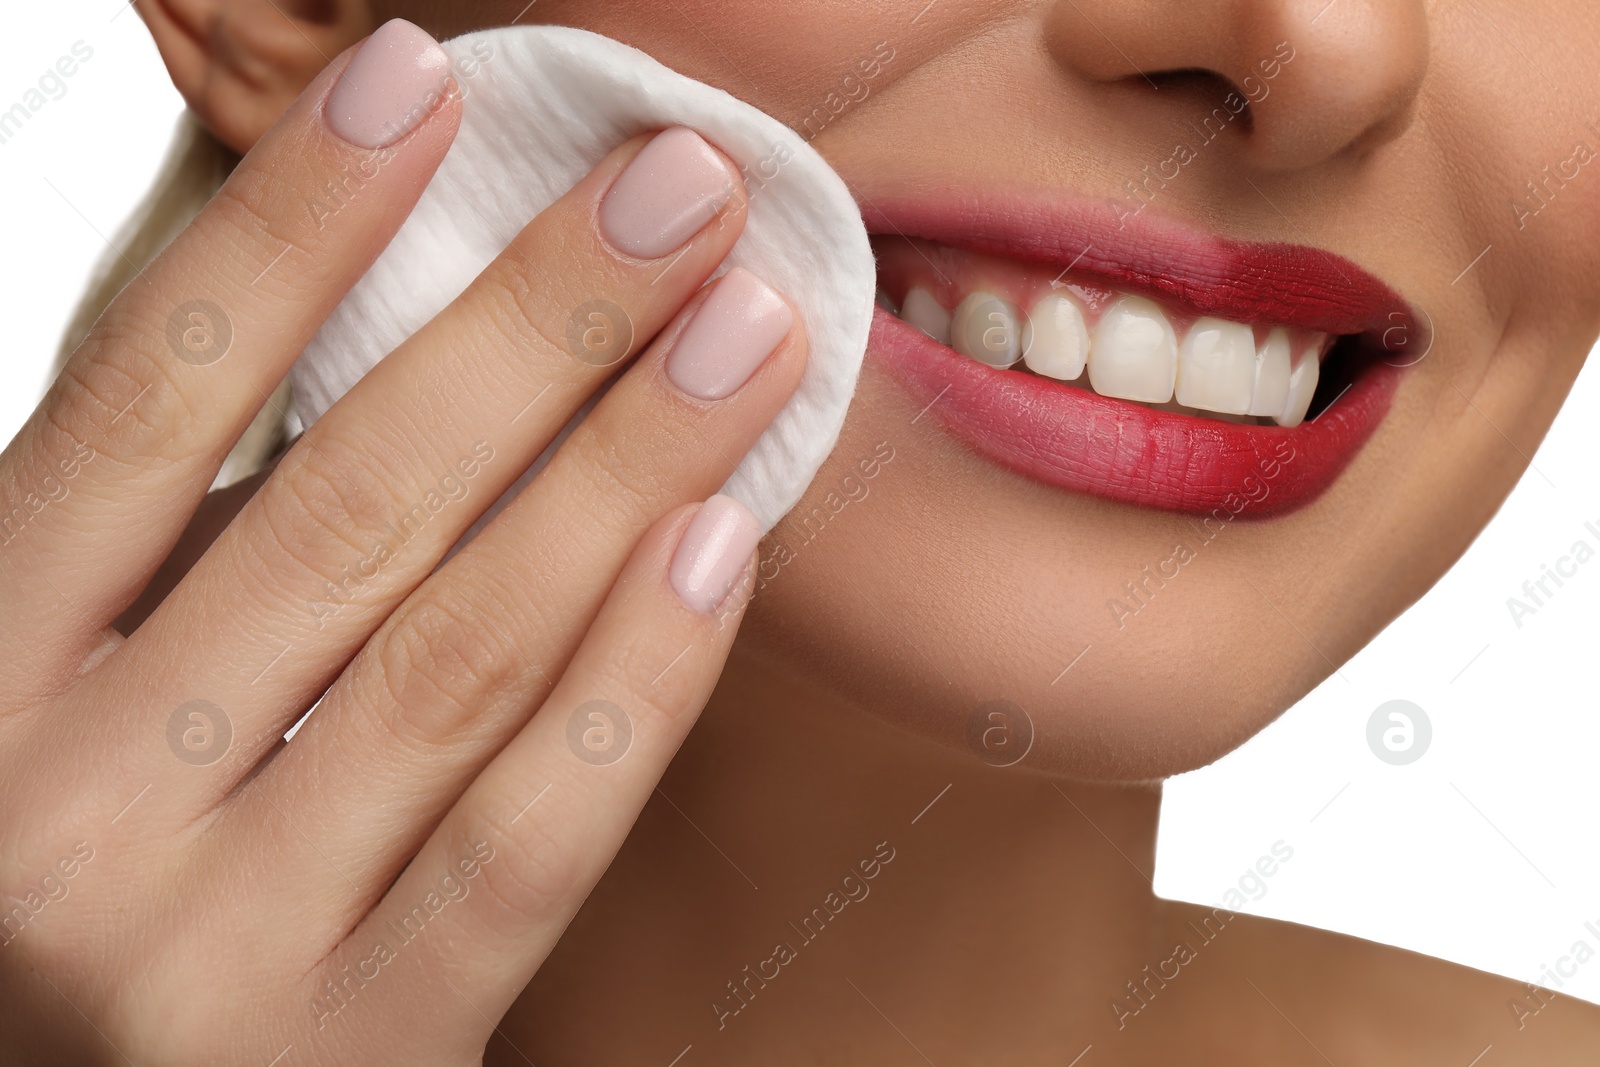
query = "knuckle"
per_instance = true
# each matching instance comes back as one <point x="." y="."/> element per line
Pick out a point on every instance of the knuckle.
<point x="441" y="663"/>
<point x="536" y="875"/>
<point x="662" y="679"/>
<point x="324" y="507"/>
<point x="657" y="684"/>
<point x="253" y="212"/>
<point x="120" y="394"/>
<point x="516" y="307"/>
<point x="246" y="205"/>
<point x="254" y="220"/>
<point x="628" y="484"/>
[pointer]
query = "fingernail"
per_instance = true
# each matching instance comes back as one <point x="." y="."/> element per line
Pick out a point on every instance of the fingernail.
<point x="674" y="186"/>
<point x="389" y="87"/>
<point x="714" y="552"/>
<point x="732" y="333"/>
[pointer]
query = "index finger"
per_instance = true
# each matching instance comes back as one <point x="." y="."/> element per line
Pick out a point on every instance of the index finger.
<point x="173" y="372"/>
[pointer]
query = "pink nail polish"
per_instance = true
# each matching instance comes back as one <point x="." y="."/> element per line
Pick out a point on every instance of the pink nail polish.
<point x="713" y="554"/>
<point x="732" y="333"/>
<point x="674" y="186"/>
<point x="389" y="87"/>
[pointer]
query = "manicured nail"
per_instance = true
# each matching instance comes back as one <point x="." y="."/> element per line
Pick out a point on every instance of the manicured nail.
<point x="732" y="333"/>
<point x="674" y="186"/>
<point x="389" y="87"/>
<point x="713" y="554"/>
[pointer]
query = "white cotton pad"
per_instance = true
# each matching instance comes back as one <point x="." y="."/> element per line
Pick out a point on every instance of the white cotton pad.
<point x="543" y="106"/>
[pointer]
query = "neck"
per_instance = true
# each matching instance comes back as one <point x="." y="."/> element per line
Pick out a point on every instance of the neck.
<point x="803" y="859"/>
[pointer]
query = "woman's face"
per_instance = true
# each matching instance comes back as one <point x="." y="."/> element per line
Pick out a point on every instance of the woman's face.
<point x="1152" y="586"/>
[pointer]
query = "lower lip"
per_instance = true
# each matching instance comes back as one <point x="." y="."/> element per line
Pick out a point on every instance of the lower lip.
<point x="1074" y="439"/>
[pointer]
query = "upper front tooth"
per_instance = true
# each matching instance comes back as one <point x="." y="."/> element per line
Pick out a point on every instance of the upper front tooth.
<point x="1271" y="390"/>
<point x="1302" y="385"/>
<point x="921" y="310"/>
<point x="1216" y="366"/>
<point x="1055" y="340"/>
<point x="1134" y="353"/>
<point x="987" y="328"/>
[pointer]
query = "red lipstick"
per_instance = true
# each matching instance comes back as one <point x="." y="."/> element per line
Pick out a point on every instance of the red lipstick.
<point x="1075" y="439"/>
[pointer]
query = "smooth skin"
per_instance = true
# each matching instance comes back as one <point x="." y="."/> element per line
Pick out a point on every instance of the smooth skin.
<point x="193" y="909"/>
<point x="1018" y="904"/>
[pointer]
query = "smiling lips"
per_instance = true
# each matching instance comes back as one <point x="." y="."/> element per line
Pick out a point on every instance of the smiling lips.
<point x="1136" y="361"/>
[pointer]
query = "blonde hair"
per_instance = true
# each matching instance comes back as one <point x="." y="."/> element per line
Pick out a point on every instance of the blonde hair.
<point x="194" y="169"/>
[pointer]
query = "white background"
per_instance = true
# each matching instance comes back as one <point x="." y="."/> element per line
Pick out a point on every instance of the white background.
<point x="1480" y="852"/>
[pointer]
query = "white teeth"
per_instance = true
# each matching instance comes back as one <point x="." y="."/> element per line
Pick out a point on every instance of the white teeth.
<point x="1055" y="340"/>
<point x="1216" y="366"/>
<point x="987" y="328"/>
<point x="1302" y="384"/>
<point x="1134" y="354"/>
<point x="923" y="311"/>
<point x="1271" y="390"/>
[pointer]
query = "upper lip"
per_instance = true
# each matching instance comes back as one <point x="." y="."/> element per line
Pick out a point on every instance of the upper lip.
<point x="1204" y="274"/>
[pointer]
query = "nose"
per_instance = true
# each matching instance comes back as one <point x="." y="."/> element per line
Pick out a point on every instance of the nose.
<point x="1322" y="78"/>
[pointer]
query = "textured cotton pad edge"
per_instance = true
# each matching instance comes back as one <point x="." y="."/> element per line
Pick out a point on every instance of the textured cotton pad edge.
<point x="543" y="105"/>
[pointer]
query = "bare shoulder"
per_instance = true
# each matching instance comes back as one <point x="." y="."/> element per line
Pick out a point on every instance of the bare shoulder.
<point x="1296" y="994"/>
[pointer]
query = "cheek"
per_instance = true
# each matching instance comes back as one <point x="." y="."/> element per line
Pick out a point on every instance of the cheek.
<point x="796" y="61"/>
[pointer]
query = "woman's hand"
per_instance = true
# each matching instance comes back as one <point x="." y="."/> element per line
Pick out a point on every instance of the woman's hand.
<point x="179" y="885"/>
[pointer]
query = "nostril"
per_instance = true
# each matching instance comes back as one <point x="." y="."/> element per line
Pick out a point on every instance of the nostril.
<point x="1210" y="95"/>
